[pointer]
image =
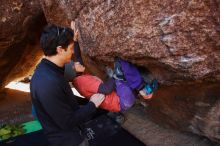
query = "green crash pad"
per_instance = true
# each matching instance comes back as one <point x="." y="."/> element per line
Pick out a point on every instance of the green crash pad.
<point x="15" y="130"/>
<point x="32" y="126"/>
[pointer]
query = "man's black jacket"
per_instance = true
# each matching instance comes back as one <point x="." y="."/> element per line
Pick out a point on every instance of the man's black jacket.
<point x="56" y="106"/>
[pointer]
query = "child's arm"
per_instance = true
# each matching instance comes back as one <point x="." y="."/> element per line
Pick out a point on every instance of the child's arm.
<point x="78" y="62"/>
<point x="77" y="53"/>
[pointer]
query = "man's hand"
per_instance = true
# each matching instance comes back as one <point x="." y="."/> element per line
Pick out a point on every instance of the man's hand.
<point x="97" y="99"/>
<point x="73" y="27"/>
<point x="78" y="67"/>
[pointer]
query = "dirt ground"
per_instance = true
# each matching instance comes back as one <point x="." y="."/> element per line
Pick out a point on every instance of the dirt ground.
<point x="15" y="107"/>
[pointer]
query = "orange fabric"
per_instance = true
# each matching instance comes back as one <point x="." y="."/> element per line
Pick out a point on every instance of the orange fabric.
<point x="87" y="85"/>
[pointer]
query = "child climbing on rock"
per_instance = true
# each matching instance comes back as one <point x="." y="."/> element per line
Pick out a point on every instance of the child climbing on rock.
<point x="120" y="89"/>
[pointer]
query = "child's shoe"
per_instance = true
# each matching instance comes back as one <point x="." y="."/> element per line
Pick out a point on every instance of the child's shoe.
<point x="147" y="91"/>
<point x="145" y="95"/>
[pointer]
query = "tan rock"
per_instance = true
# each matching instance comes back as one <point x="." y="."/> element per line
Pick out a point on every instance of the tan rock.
<point x="21" y="24"/>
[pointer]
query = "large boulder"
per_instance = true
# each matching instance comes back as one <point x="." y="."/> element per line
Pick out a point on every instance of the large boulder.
<point x="177" y="41"/>
<point x="21" y="23"/>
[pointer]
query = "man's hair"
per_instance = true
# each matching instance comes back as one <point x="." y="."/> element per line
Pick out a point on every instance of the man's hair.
<point x="54" y="36"/>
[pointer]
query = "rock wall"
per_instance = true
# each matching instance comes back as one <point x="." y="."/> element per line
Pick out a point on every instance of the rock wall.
<point x="188" y="107"/>
<point x="21" y="23"/>
<point x="181" y="38"/>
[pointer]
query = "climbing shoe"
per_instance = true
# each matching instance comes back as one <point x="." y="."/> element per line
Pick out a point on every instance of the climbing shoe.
<point x="147" y="91"/>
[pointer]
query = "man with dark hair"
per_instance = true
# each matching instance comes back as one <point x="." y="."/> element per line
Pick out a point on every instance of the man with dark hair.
<point x="56" y="105"/>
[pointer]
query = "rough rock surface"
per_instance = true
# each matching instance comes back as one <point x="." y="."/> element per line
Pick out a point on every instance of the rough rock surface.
<point x="61" y="12"/>
<point x="176" y="40"/>
<point x="188" y="107"/>
<point x="137" y="122"/>
<point x="21" y="22"/>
